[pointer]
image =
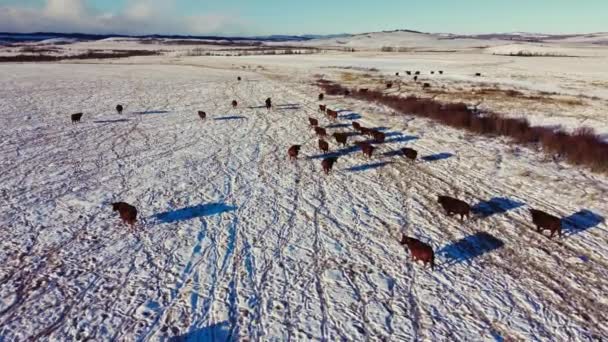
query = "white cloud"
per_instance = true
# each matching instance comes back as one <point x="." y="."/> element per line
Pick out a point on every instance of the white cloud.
<point x="139" y="17"/>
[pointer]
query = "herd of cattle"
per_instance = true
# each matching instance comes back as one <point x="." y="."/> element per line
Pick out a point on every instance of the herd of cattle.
<point x="418" y="249"/>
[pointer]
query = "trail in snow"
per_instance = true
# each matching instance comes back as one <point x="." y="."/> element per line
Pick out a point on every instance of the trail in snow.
<point x="236" y="241"/>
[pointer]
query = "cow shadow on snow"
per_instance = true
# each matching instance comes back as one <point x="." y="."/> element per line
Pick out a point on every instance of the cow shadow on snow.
<point x="580" y="222"/>
<point x="437" y="157"/>
<point x="219" y="332"/>
<point x="228" y="118"/>
<point x="496" y="205"/>
<point x="337" y="153"/>
<point x="151" y="112"/>
<point x="111" y="121"/>
<point x="366" y="167"/>
<point x="190" y="213"/>
<point x="469" y="248"/>
<point x="349" y="116"/>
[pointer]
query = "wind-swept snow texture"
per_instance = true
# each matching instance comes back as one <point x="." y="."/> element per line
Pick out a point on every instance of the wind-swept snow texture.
<point x="234" y="241"/>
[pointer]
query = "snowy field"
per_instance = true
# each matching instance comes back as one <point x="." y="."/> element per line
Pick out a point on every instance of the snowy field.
<point x="236" y="242"/>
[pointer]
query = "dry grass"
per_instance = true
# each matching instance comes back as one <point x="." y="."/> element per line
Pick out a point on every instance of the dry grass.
<point x="582" y="147"/>
<point x="87" y="55"/>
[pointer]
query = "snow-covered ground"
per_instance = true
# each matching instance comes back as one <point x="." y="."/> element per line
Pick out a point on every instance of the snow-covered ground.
<point x="235" y="241"/>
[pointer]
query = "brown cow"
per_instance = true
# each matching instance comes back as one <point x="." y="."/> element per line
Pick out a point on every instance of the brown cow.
<point x="426" y="85"/>
<point x="367" y="149"/>
<point x="440" y="72"/>
<point x="313" y="122"/>
<point x="320" y="131"/>
<point x="234" y="103"/>
<point x="127" y="212"/>
<point x="454" y="206"/>
<point x="408" y="72"/>
<point x="379" y="137"/>
<point x="544" y="221"/>
<point x="346" y="92"/>
<point x="323" y="145"/>
<point x="293" y="152"/>
<point x="76" y="117"/>
<point x="322" y="108"/>
<point x="363" y="90"/>
<point x="419" y="250"/>
<point x="478" y="74"/>
<point x="119" y="109"/>
<point x="238" y="78"/>
<point x="366" y="131"/>
<point x="333" y="115"/>
<point x="202" y="114"/>
<point x="432" y="73"/>
<point x="389" y="85"/>
<point x="417" y="73"/>
<point x="415" y="78"/>
<point x="409" y="153"/>
<point x="321" y="97"/>
<point x="328" y="164"/>
<point x="356" y="125"/>
<point x="341" y="138"/>
<point x="268" y="103"/>
<point x="396" y="74"/>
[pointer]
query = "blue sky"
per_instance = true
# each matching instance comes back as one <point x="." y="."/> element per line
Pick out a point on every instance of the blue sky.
<point x="250" y="17"/>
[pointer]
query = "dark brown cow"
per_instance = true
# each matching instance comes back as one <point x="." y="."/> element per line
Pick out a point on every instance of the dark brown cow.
<point x="440" y="72"/>
<point x="478" y="74"/>
<point x="234" y="103"/>
<point x="333" y="115"/>
<point x="417" y="73"/>
<point x="76" y="117"/>
<point x="320" y="131"/>
<point x="202" y="115"/>
<point x="409" y="153"/>
<point x="408" y="72"/>
<point x="366" y="148"/>
<point x="313" y="122"/>
<point x="389" y="85"/>
<point x="366" y="131"/>
<point x="119" y="109"/>
<point x="328" y="164"/>
<point x="238" y="78"/>
<point x="321" y="97"/>
<point x="323" y="145"/>
<point x="544" y="221"/>
<point x="363" y="90"/>
<point x="268" y="103"/>
<point x="454" y="206"/>
<point x="127" y="212"/>
<point x="419" y="250"/>
<point x="426" y="85"/>
<point x="341" y="138"/>
<point x="346" y="92"/>
<point x="322" y="108"/>
<point x="356" y="125"/>
<point x="415" y="78"/>
<point x="379" y="137"/>
<point x="432" y="73"/>
<point x="396" y="74"/>
<point x="293" y="152"/>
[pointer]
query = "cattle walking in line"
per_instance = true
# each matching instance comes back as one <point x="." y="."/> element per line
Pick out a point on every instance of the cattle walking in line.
<point x="454" y="206"/>
<point x="321" y="97"/>
<point x="268" y="103"/>
<point x="544" y="221"/>
<point x="202" y="115"/>
<point x="323" y="145"/>
<point x="127" y="212"/>
<point x="322" y="108"/>
<point x="76" y="117"/>
<point x="313" y="122"/>
<point x="356" y="126"/>
<point x="234" y="103"/>
<point x="341" y="138"/>
<point x="119" y="109"/>
<point x="321" y="132"/>
<point x="328" y="164"/>
<point x="293" y="152"/>
<point x="419" y="250"/>
<point x="409" y="153"/>
<point x="366" y="148"/>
